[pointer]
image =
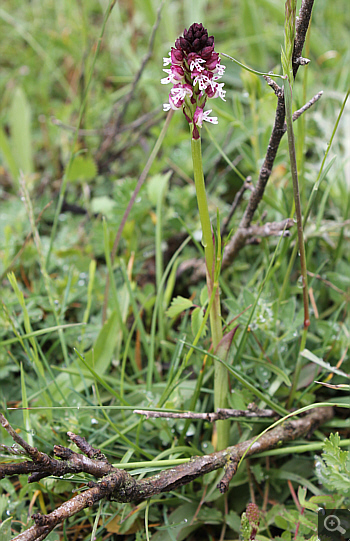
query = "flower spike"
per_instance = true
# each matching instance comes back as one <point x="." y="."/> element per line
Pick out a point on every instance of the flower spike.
<point x="195" y="70"/>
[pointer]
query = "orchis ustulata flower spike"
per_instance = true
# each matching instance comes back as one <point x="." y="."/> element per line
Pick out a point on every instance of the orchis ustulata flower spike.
<point x="194" y="72"/>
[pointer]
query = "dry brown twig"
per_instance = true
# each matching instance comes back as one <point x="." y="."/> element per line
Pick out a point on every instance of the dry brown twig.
<point x="118" y="485"/>
<point x="220" y="414"/>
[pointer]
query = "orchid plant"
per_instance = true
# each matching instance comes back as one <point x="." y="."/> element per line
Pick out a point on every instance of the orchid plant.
<point x="195" y="69"/>
<point x="194" y="72"/>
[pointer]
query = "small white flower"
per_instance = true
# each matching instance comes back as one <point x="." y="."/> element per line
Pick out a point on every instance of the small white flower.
<point x="219" y="91"/>
<point x="213" y="119"/>
<point x="180" y="93"/>
<point x="196" y="64"/>
<point x="168" y="79"/>
<point x="220" y="69"/>
<point x="202" y="80"/>
<point x="200" y="115"/>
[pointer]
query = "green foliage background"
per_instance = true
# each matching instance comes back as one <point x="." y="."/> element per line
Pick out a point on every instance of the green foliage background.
<point x="55" y="353"/>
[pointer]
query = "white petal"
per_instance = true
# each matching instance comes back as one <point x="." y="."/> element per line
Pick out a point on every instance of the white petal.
<point x="207" y="118"/>
<point x="166" y="80"/>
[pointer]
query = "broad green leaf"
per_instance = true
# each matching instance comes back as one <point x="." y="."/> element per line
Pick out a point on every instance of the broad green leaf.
<point x="303" y="502"/>
<point x="179" y="527"/>
<point x="5" y="527"/>
<point x="102" y="351"/>
<point x="281" y="522"/>
<point x="271" y="367"/>
<point x="204" y="296"/>
<point x="99" y="358"/>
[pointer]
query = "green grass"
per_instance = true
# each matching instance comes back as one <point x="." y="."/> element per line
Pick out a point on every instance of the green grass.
<point x="79" y="374"/>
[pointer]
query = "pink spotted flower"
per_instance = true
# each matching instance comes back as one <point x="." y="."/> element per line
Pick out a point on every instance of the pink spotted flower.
<point x="194" y="72"/>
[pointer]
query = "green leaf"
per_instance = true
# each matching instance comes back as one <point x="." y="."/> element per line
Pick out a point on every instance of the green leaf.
<point x="5" y="528"/>
<point x="312" y="357"/>
<point x="333" y="468"/>
<point x="20" y="127"/>
<point x="83" y="168"/>
<point x="271" y="367"/>
<point x="204" y="296"/>
<point x="233" y="521"/>
<point x="103" y="205"/>
<point x="156" y="187"/>
<point x="281" y="523"/>
<point x="178" y="305"/>
<point x="8" y="156"/>
<point x="179" y="526"/>
<point x="303" y="502"/>
<point x="103" y="349"/>
<point x="197" y="317"/>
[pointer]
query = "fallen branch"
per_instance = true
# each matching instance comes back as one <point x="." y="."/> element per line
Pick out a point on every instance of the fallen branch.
<point x="220" y="414"/>
<point x="116" y="484"/>
<point x="249" y="235"/>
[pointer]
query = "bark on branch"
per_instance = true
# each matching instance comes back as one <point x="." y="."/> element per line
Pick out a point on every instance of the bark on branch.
<point x="118" y="485"/>
<point x="220" y="414"/>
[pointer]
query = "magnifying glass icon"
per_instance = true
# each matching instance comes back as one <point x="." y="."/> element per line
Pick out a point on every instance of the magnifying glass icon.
<point x="332" y="524"/>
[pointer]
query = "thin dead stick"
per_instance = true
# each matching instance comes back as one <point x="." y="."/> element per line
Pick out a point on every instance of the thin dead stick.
<point x="326" y="282"/>
<point x="220" y="414"/>
<point x="307" y="106"/>
<point x="107" y="130"/>
<point x="116" y="484"/>
<point x="122" y="109"/>
<point x="247" y="185"/>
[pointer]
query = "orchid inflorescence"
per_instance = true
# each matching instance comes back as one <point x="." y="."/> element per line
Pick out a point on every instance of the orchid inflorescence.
<point x="194" y="72"/>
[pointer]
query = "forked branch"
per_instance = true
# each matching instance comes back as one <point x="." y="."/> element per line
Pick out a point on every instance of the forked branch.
<point x="118" y="485"/>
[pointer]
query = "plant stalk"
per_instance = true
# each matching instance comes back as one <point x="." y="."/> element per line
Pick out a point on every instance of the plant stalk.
<point x="220" y="375"/>
<point x="294" y="173"/>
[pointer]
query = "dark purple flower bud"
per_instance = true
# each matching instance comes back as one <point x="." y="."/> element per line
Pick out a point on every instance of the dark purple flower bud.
<point x="195" y="132"/>
<point x="195" y="39"/>
<point x="206" y="52"/>
<point x="176" y="56"/>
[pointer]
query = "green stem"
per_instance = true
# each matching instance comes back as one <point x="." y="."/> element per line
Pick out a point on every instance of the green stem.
<point x="294" y="172"/>
<point x="297" y="369"/>
<point x="220" y="377"/>
<point x="207" y="236"/>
